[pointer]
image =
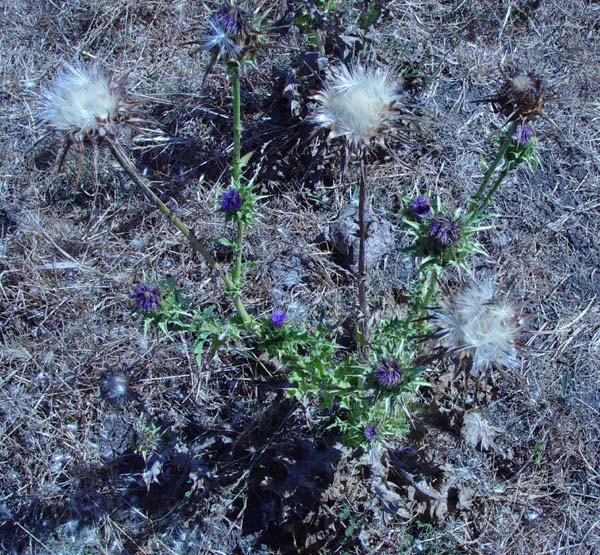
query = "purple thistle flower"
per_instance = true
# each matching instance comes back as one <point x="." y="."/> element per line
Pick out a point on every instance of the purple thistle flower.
<point x="231" y="200"/>
<point x="444" y="231"/>
<point x="229" y="18"/>
<point x="278" y="318"/>
<point x="420" y="207"/>
<point x="523" y="134"/>
<point x="146" y="297"/>
<point x="370" y="433"/>
<point x="389" y="373"/>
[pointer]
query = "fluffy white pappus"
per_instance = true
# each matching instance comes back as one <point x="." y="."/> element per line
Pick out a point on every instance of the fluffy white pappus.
<point x="480" y="324"/>
<point x="81" y="100"/>
<point x="357" y="103"/>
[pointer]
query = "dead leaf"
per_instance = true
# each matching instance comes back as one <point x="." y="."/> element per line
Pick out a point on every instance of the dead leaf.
<point x="477" y="431"/>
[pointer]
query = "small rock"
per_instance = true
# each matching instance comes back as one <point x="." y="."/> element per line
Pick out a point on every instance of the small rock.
<point x="343" y="238"/>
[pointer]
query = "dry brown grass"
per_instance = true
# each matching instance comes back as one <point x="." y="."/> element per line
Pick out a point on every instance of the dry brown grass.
<point x="72" y="246"/>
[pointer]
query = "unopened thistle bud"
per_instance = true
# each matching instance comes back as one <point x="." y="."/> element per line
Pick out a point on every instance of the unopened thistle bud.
<point x="278" y="318"/>
<point x="420" y="207"/>
<point x="444" y="232"/>
<point x="389" y="373"/>
<point x="371" y="433"/>
<point x="523" y="134"/>
<point x="146" y="297"/>
<point x="231" y="201"/>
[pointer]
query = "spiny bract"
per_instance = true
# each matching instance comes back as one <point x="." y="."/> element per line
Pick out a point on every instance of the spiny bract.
<point x="357" y="103"/>
<point x="480" y="324"/>
<point x="81" y="101"/>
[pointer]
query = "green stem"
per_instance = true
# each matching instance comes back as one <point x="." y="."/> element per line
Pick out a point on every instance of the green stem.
<point x="319" y="43"/>
<point x="236" y="169"/>
<point x="475" y="211"/>
<point x="239" y="248"/>
<point x="196" y="244"/>
<point x="362" y="263"/>
<point x="429" y="292"/>
<point x="236" y="175"/>
<point x="496" y="162"/>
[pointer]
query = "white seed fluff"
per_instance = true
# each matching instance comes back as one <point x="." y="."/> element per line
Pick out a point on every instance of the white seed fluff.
<point x="357" y="103"/>
<point x="81" y="100"/>
<point x="478" y="324"/>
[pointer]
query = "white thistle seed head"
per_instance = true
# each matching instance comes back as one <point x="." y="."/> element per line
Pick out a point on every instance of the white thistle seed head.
<point x="359" y="104"/>
<point x="82" y="101"/>
<point x="480" y="324"/>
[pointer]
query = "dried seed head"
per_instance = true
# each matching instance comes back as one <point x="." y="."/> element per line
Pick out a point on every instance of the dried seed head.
<point x="83" y="101"/>
<point x="115" y="387"/>
<point x="520" y="98"/>
<point x="480" y="324"/>
<point x="358" y="104"/>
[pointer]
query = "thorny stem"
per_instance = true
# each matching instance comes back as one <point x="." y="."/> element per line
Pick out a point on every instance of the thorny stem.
<point x="236" y="170"/>
<point x="196" y="244"/>
<point x="362" y="267"/>
<point x="496" y="162"/>
<point x="319" y="43"/>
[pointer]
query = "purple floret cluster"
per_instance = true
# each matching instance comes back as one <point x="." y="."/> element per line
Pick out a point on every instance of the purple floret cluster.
<point x="231" y="200"/>
<point x="146" y="297"/>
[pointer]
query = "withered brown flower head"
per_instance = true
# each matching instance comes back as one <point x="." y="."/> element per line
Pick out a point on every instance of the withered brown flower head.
<point x="521" y="97"/>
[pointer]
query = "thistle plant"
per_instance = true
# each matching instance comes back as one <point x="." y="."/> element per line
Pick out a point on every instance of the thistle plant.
<point x="366" y="400"/>
<point x="440" y="239"/>
<point x="86" y="105"/>
<point x="358" y="105"/>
